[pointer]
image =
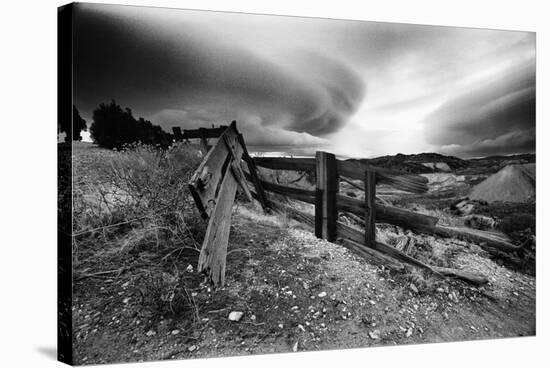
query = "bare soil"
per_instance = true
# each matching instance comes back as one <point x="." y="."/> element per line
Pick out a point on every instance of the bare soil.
<point x="297" y="293"/>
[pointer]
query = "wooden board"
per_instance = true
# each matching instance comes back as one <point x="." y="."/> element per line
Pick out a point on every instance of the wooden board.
<point x="206" y="179"/>
<point x="253" y="172"/>
<point x="389" y="214"/>
<point x="485" y="239"/>
<point x="403" y="181"/>
<point x="204" y="132"/>
<point x="370" y="210"/>
<point x="358" y="237"/>
<point x="352" y="169"/>
<point x="326" y="213"/>
<point x="214" y="247"/>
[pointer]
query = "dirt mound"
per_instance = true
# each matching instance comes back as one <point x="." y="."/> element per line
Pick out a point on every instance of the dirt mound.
<point x="513" y="183"/>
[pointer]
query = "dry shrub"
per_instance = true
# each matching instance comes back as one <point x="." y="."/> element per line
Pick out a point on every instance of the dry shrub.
<point x="141" y="184"/>
<point x="134" y="211"/>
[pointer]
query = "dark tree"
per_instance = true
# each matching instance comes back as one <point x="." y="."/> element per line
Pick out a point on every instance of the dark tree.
<point x="79" y="125"/>
<point x="114" y="127"/>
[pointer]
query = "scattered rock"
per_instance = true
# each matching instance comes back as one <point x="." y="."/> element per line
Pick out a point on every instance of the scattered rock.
<point x="192" y="348"/>
<point x="235" y="316"/>
<point x="409" y="332"/>
<point x="322" y="294"/>
<point x="175" y="332"/>
<point x="375" y="335"/>
<point x="295" y="347"/>
<point x="413" y="288"/>
<point x="189" y="268"/>
<point x="453" y="297"/>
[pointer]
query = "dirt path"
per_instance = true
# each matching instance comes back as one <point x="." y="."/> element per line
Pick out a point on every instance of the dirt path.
<point x="296" y="292"/>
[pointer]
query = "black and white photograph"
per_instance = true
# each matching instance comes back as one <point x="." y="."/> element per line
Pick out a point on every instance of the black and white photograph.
<point x="234" y="184"/>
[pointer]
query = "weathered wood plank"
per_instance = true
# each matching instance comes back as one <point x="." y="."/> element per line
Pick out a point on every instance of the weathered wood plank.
<point x="214" y="247"/>
<point x="327" y="185"/>
<point x="254" y="175"/>
<point x="389" y="214"/>
<point x="373" y="255"/>
<point x="204" y="132"/>
<point x="177" y="133"/>
<point x="236" y="169"/>
<point x="399" y="180"/>
<point x="286" y="163"/>
<point x="304" y="195"/>
<point x="370" y="210"/>
<point x="427" y="224"/>
<point x="352" y="169"/>
<point x="359" y="237"/>
<point x="206" y="179"/>
<point x="487" y="240"/>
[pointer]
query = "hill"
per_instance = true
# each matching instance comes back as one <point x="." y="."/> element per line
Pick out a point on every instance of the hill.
<point x="429" y="162"/>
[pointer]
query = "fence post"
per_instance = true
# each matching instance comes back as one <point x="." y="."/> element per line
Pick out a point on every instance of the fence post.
<point x="204" y="141"/>
<point x="326" y="213"/>
<point x="370" y="215"/>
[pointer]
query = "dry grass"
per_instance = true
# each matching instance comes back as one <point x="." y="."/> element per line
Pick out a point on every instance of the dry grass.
<point x="133" y="215"/>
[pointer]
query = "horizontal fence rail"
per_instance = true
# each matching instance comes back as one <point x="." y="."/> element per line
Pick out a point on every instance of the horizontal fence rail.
<point x="351" y="169"/>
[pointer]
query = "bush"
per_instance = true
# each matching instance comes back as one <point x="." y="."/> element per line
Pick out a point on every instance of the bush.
<point x="140" y="183"/>
<point x="114" y="127"/>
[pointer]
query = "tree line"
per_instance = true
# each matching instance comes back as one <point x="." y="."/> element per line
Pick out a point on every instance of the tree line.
<point x="114" y="127"/>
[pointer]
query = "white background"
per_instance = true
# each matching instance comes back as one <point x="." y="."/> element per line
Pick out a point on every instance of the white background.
<point x="28" y="180"/>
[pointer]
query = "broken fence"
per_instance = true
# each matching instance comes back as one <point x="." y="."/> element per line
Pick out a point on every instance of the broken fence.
<point x="215" y="183"/>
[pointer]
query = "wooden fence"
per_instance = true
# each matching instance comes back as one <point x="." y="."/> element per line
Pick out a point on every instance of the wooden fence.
<point x="215" y="183"/>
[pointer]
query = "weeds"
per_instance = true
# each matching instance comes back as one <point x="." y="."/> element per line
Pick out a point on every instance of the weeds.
<point x="132" y="209"/>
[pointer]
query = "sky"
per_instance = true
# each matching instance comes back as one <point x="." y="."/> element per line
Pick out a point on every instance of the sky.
<point x="355" y="88"/>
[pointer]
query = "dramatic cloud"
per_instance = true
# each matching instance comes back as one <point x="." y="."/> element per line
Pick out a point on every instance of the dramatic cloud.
<point x="168" y="63"/>
<point x="355" y="88"/>
<point x="494" y="118"/>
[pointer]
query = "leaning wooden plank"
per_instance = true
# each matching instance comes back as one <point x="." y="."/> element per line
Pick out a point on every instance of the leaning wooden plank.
<point x="236" y="169"/>
<point x="254" y="175"/>
<point x="373" y="255"/>
<point x="473" y="278"/>
<point x="358" y="236"/>
<point x="389" y="214"/>
<point x="485" y="239"/>
<point x="214" y="246"/>
<point x="205" y="180"/>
